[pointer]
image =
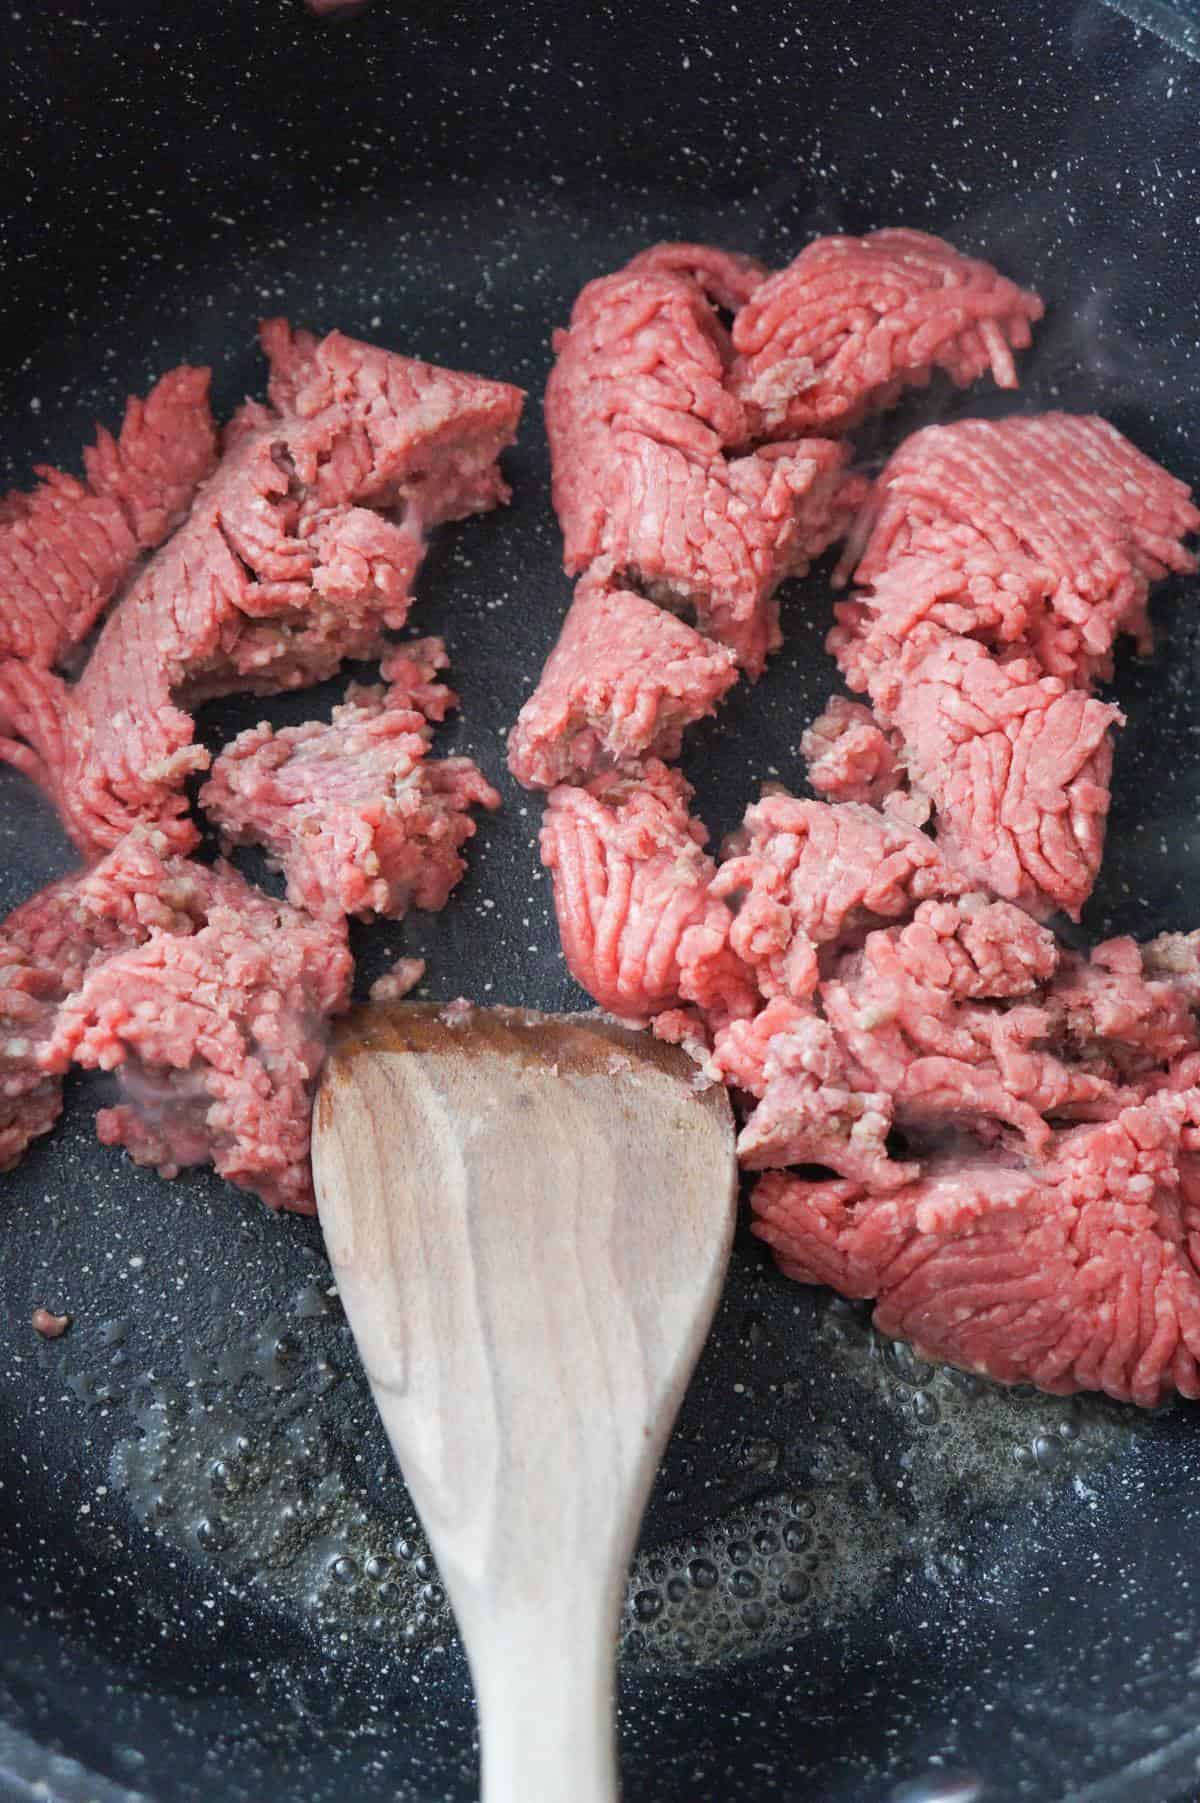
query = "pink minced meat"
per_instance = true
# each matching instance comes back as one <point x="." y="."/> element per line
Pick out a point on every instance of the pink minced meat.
<point x="621" y="684"/>
<point x="218" y="1035"/>
<point x="1017" y="768"/>
<point x="285" y="568"/>
<point x="399" y="981"/>
<point x="848" y="755"/>
<point x="811" y="1109"/>
<point x="917" y="1017"/>
<point x="802" y="875"/>
<point x="853" y="321"/>
<point x="355" y="813"/>
<point x="50" y="942"/>
<point x="640" y="420"/>
<point x="996" y="562"/>
<point x="66" y="548"/>
<point x="1073" y="1272"/>
<point x="640" y="929"/>
<point x="1044" y="533"/>
<point x="1128" y="1009"/>
<point x="718" y="538"/>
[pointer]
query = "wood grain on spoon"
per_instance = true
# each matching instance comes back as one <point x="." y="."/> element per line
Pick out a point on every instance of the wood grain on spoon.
<point x="529" y="1218"/>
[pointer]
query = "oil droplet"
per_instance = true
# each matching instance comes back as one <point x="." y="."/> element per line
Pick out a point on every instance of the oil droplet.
<point x="213" y="1534"/>
<point x="1047" y="1451"/>
<point x="647" y="1605"/>
<point x="796" y="1536"/>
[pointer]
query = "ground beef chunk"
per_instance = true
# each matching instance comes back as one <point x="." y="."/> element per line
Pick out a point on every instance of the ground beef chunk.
<point x="996" y="563"/>
<point x="1121" y="1012"/>
<point x="399" y="981"/>
<point x="218" y="1036"/>
<point x="716" y="539"/>
<point x="807" y="874"/>
<point x="1042" y="532"/>
<point x="66" y="548"/>
<point x="355" y="813"/>
<point x="848" y="755"/>
<point x="49" y="943"/>
<point x="280" y="573"/>
<point x="1017" y="768"/>
<point x="853" y="321"/>
<point x="30" y="1100"/>
<point x="640" y="929"/>
<point x="385" y="431"/>
<point x="646" y="354"/>
<point x="1175" y="957"/>
<point x="915" y="1012"/>
<point x="639" y="419"/>
<point x="1075" y="1272"/>
<point x="810" y="1108"/>
<point x="621" y="684"/>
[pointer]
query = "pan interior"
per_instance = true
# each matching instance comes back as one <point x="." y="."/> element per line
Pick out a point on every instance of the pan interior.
<point x="856" y="1571"/>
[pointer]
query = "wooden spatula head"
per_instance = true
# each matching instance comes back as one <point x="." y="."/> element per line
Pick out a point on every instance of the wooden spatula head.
<point x="529" y="1219"/>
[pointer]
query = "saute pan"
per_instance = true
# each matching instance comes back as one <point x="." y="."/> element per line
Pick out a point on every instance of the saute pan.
<point x="861" y="1580"/>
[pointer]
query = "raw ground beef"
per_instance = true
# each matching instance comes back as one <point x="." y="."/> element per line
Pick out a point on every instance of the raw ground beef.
<point x="958" y="1071"/>
<point x="640" y="930"/>
<point x="281" y="572"/>
<point x="355" y="813"/>
<point x="996" y="1138"/>
<point x="848" y="756"/>
<point x="1017" y="767"/>
<point x="853" y="321"/>
<point x="218" y="1032"/>
<point x="1076" y="1271"/>
<point x="810" y="1109"/>
<point x="50" y="942"/>
<point x="299" y="550"/>
<point x="640" y="421"/>
<point x="997" y="561"/>
<point x="801" y="875"/>
<point x="399" y="981"/>
<point x="717" y="539"/>
<point x="68" y="547"/>
<point x="1042" y="533"/>
<point x="621" y="684"/>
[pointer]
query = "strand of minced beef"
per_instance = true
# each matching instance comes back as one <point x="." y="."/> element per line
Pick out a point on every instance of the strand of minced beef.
<point x="299" y="553"/>
<point x="66" y="548"/>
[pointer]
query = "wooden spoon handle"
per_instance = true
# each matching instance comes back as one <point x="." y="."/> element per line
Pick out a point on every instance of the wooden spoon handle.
<point x="529" y="1228"/>
<point x="545" y="1689"/>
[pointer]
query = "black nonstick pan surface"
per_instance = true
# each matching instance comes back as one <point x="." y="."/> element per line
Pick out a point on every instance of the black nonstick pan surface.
<point x="861" y="1580"/>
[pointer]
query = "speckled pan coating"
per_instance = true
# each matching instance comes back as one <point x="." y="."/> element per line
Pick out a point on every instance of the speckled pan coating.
<point x="1015" y="1577"/>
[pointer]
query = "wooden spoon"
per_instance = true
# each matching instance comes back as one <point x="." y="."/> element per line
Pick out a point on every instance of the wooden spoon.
<point x="529" y="1219"/>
